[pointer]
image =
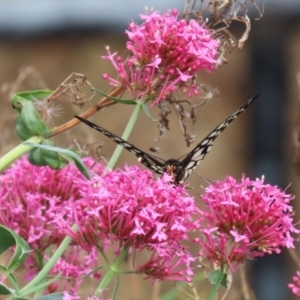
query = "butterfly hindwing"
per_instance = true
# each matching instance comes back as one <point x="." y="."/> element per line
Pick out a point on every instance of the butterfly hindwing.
<point x="192" y="160"/>
<point x="146" y="159"/>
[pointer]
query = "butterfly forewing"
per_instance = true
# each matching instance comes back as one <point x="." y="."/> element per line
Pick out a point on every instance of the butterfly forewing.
<point x="180" y="170"/>
<point x="146" y="159"/>
<point x="192" y="160"/>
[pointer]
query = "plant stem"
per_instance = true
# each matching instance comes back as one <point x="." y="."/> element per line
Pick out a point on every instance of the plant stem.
<point x="18" y="151"/>
<point x="127" y="131"/>
<point x="216" y="286"/>
<point x="114" y="268"/>
<point x="48" y="266"/>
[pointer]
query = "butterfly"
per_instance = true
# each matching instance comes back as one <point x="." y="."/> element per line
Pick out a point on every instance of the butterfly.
<point x="179" y="169"/>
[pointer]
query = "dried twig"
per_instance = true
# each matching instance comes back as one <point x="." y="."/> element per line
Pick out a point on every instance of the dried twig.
<point x="72" y="87"/>
<point x="219" y="16"/>
<point x="246" y="290"/>
<point x="296" y="157"/>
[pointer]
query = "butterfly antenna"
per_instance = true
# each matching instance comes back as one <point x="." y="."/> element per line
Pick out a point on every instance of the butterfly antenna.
<point x="203" y="178"/>
<point x="154" y="156"/>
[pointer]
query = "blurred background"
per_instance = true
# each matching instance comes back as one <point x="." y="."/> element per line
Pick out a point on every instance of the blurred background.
<point x="43" y="42"/>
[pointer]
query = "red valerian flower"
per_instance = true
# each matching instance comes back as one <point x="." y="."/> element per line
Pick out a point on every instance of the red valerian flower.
<point x="243" y="220"/>
<point x="165" y="54"/>
<point x="30" y="198"/>
<point x="130" y="208"/>
<point x="295" y="286"/>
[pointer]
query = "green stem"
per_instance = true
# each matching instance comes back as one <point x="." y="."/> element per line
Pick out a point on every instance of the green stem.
<point x="48" y="266"/>
<point x="18" y="151"/>
<point x="216" y="286"/>
<point x="127" y="131"/>
<point x="113" y="270"/>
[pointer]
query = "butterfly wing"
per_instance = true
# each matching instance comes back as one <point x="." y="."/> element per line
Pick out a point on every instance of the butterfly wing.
<point x="192" y="160"/>
<point x="146" y="159"/>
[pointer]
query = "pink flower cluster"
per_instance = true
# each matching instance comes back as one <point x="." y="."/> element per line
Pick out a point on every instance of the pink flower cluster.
<point x="133" y="209"/>
<point x="165" y="54"/>
<point x="243" y="220"/>
<point x="30" y="197"/>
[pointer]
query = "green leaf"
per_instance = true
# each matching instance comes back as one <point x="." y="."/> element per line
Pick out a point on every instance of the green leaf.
<point x="23" y="132"/>
<point x="9" y="238"/>
<point x="146" y="110"/>
<point x="67" y="153"/>
<point x="10" y="277"/>
<point x="29" y="122"/>
<point x="21" y="97"/>
<point x="123" y="101"/>
<point x="215" y="276"/>
<point x="5" y="290"/>
<point x="44" y="157"/>
<point x="54" y="296"/>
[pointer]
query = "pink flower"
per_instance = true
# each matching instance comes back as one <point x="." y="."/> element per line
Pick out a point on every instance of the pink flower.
<point x="30" y="198"/>
<point x="67" y="296"/>
<point x="130" y="208"/>
<point x="248" y="218"/>
<point x="165" y="54"/>
<point x="295" y="286"/>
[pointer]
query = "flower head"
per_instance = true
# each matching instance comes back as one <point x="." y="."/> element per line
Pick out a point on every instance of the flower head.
<point x="165" y="54"/>
<point x="30" y="198"/>
<point x="243" y="220"/>
<point x="130" y="208"/>
<point x="295" y="286"/>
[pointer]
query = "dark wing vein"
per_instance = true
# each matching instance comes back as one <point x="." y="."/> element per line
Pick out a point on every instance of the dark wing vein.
<point x="192" y="160"/>
<point x="145" y="158"/>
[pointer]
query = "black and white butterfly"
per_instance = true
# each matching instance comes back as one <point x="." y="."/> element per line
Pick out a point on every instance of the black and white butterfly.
<point x="179" y="169"/>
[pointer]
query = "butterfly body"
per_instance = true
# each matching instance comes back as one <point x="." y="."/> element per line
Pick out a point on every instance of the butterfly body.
<point x="178" y="169"/>
<point x="174" y="168"/>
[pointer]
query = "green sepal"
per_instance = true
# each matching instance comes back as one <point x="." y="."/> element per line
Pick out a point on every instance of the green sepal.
<point x="66" y="154"/>
<point x="123" y="101"/>
<point x="9" y="238"/>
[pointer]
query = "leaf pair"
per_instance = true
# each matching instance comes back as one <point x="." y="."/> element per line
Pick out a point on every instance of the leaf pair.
<point x="29" y="124"/>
